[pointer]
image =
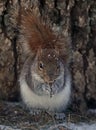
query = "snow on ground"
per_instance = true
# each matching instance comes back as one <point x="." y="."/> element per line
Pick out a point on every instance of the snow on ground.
<point x="71" y="126"/>
<point x="3" y="127"/>
<point x="92" y="111"/>
<point x="81" y="126"/>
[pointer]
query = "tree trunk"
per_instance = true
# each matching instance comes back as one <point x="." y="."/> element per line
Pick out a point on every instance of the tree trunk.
<point x="74" y="17"/>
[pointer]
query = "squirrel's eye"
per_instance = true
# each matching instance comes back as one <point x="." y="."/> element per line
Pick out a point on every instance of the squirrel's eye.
<point x="58" y="67"/>
<point x="41" y="66"/>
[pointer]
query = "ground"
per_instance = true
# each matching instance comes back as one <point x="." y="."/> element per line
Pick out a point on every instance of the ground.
<point x="15" y="116"/>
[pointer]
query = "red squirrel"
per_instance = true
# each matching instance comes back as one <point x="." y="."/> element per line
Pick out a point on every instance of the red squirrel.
<point x="45" y="80"/>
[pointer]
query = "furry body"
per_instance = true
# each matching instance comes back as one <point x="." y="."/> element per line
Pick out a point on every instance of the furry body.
<point x="41" y="99"/>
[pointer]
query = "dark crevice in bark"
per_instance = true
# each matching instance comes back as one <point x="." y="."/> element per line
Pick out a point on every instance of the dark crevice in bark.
<point x="72" y="35"/>
<point x="14" y="46"/>
<point x="91" y="103"/>
<point x="3" y="15"/>
<point x="73" y="30"/>
<point x="55" y="3"/>
<point x="92" y="16"/>
<point x="56" y="14"/>
<point x="72" y="20"/>
<point x="42" y="3"/>
<point x="42" y="6"/>
<point x="85" y="65"/>
<point x="90" y="42"/>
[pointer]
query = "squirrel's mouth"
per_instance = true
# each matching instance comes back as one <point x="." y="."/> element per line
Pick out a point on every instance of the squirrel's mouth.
<point x="51" y="84"/>
<point x="51" y="92"/>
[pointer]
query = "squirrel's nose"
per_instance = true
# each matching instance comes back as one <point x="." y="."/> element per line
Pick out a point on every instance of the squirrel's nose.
<point x="51" y="82"/>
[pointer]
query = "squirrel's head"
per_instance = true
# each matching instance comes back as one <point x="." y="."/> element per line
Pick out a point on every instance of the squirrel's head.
<point x="48" y="65"/>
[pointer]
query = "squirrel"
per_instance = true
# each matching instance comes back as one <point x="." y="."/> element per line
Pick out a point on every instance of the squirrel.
<point x="45" y="80"/>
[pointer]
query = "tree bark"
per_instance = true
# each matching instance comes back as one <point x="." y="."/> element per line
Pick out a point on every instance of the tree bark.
<point x="74" y="17"/>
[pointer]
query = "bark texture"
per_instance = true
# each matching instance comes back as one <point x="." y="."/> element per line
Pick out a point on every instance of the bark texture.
<point x="74" y="17"/>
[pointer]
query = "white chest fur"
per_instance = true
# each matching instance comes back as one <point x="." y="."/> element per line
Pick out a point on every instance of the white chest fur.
<point x="56" y="103"/>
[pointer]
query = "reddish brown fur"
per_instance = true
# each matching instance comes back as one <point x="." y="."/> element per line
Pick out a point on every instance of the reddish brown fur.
<point x="37" y="34"/>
